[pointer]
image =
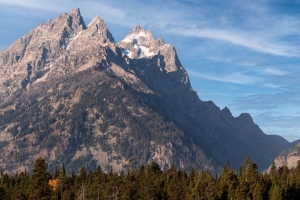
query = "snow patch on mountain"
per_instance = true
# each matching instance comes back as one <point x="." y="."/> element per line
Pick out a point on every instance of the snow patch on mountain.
<point x="146" y="52"/>
<point x="127" y="53"/>
<point x="139" y="43"/>
<point x="74" y="39"/>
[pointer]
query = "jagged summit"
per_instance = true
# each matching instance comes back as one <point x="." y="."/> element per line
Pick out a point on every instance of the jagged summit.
<point x="97" y="25"/>
<point x="245" y="118"/>
<point x="44" y="51"/>
<point x="77" y="18"/>
<point x="160" y="41"/>
<point x="97" y="20"/>
<point x="227" y="112"/>
<point x="75" y="12"/>
<point x="137" y="32"/>
<point x="137" y="29"/>
<point x="140" y="43"/>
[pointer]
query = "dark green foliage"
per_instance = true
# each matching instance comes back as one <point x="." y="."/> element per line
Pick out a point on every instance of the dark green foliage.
<point x="150" y="182"/>
<point x="2" y="193"/>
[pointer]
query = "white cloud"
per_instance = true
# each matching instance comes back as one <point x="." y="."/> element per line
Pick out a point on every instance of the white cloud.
<point x="236" y="78"/>
<point x="268" y="101"/>
<point x="255" y="33"/>
<point x="89" y="7"/>
<point x="245" y="40"/>
<point x="276" y="123"/>
<point x="30" y="4"/>
<point x="276" y="72"/>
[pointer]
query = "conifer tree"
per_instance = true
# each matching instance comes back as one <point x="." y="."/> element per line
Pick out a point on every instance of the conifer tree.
<point x="275" y="193"/>
<point x="39" y="187"/>
<point x="2" y="193"/>
<point x="227" y="183"/>
<point x="273" y="173"/>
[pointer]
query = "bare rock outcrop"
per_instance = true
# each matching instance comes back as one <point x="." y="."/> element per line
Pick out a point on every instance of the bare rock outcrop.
<point x="289" y="157"/>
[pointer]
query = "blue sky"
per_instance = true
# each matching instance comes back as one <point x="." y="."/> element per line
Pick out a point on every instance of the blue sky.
<point x="241" y="54"/>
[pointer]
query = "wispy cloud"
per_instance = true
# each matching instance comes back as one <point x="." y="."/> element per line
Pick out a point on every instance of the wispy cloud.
<point x="250" y="33"/>
<point x="246" y="61"/>
<point x="276" y="72"/>
<point x="236" y="78"/>
<point x="267" y="101"/>
<point x="276" y="123"/>
<point x="30" y="4"/>
<point x="246" y="41"/>
<point x="90" y="8"/>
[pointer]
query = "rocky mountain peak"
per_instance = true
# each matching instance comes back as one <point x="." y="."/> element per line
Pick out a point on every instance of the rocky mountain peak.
<point x="246" y="117"/>
<point x="226" y="111"/>
<point x="151" y="57"/>
<point x="77" y="18"/>
<point x="75" y="12"/>
<point x="98" y="26"/>
<point x="140" y="43"/>
<point x="31" y="57"/>
<point x="139" y="31"/>
<point x="160" y="41"/>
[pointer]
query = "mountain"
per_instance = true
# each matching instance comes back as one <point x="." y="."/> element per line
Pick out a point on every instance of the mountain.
<point x="71" y="94"/>
<point x="67" y="95"/>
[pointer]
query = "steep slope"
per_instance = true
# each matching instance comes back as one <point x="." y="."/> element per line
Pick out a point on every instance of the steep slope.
<point x="52" y="49"/>
<point x="69" y="93"/>
<point x="33" y="55"/>
<point x="222" y="136"/>
<point x="92" y="118"/>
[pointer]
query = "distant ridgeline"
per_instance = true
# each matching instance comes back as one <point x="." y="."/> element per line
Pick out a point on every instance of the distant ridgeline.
<point x="150" y="182"/>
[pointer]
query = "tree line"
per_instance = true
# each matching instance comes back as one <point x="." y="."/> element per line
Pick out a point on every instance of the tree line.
<point x="150" y="182"/>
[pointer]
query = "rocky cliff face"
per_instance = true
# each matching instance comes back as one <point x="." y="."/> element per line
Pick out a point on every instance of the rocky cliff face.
<point x="52" y="49"/>
<point x="289" y="157"/>
<point x="70" y="94"/>
<point x="33" y="55"/>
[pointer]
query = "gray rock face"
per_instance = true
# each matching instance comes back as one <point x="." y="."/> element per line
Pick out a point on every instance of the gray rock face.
<point x="289" y="157"/>
<point x="64" y="72"/>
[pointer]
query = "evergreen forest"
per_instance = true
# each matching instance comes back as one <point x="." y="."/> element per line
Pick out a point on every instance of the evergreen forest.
<point x="151" y="182"/>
